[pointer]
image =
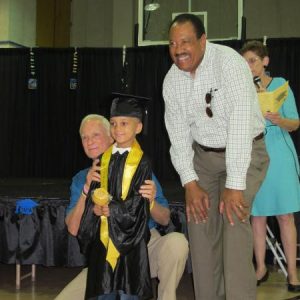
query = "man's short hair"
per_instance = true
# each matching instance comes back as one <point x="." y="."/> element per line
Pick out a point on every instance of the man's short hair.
<point x="102" y="120"/>
<point x="193" y="19"/>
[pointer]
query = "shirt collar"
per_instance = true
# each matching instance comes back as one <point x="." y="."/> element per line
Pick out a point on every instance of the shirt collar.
<point x="116" y="149"/>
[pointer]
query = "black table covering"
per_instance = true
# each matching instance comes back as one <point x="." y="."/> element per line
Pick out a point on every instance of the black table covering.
<point x="39" y="238"/>
<point x="42" y="237"/>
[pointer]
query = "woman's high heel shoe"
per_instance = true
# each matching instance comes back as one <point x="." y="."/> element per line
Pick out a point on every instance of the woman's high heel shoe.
<point x="263" y="279"/>
<point x="294" y="288"/>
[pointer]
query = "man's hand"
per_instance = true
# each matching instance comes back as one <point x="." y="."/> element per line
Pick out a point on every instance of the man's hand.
<point x="233" y="202"/>
<point x="197" y="202"/>
<point x="148" y="190"/>
<point x="93" y="174"/>
<point x="101" y="210"/>
<point x="160" y="214"/>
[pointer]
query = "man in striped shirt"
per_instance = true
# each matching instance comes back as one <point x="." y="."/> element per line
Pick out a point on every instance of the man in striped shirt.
<point x="217" y="147"/>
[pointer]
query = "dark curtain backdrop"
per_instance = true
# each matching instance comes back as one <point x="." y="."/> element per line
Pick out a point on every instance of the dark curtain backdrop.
<point x="145" y="71"/>
<point x="39" y="128"/>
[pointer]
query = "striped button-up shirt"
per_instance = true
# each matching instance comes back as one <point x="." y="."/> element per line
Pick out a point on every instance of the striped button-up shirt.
<point x="236" y="118"/>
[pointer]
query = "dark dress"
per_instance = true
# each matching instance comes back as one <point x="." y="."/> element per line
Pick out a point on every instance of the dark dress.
<point x="128" y="229"/>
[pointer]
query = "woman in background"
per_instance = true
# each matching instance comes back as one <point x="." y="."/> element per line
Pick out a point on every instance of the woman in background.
<point x="279" y="194"/>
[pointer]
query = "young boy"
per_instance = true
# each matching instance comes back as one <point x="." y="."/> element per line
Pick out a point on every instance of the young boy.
<point x="116" y="244"/>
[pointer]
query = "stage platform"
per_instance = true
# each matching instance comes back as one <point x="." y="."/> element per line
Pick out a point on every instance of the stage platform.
<point x="40" y="188"/>
<point x="42" y="237"/>
<point x="57" y="188"/>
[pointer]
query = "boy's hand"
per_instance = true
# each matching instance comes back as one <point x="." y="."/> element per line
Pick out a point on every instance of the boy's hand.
<point x="101" y="210"/>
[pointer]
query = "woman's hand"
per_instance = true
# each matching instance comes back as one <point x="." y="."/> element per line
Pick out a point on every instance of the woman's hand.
<point x="284" y="123"/>
<point x="275" y="117"/>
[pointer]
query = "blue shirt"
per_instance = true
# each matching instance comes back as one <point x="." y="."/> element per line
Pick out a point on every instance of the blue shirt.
<point x="78" y="182"/>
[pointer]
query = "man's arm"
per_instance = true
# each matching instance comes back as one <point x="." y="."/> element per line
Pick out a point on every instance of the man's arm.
<point x="179" y="131"/>
<point x="197" y="202"/>
<point x="159" y="207"/>
<point x="74" y="217"/>
<point x="77" y="203"/>
<point x="245" y="119"/>
<point x="160" y="211"/>
<point x="160" y="214"/>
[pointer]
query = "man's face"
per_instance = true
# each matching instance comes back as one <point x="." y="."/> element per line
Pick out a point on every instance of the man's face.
<point x="185" y="48"/>
<point x="95" y="139"/>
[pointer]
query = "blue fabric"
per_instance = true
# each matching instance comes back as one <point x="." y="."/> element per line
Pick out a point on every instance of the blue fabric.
<point x="25" y="206"/>
<point x="280" y="191"/>
<point x="114" y="295"/>
<point x="78" y="183"/>
<point x="107" y="297"/>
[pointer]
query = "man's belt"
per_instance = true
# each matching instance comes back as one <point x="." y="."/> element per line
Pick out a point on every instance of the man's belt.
<point x="220" y="150"/>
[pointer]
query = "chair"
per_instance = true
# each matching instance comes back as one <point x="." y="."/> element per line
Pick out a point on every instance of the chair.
<point x="278" y="253"/>
<point x="19" y="277"/>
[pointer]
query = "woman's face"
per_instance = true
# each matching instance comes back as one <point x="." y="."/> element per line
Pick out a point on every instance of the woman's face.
<point x="257" y="64"/>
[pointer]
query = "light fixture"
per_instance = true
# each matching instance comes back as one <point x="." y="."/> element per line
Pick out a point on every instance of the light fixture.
<point x="151" y="6"/>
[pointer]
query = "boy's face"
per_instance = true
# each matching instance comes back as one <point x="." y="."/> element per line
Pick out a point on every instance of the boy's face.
<point x="124" y="130"/>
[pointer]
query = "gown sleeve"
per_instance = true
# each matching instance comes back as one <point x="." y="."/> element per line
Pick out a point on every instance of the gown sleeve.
<point x="89" y="223"/>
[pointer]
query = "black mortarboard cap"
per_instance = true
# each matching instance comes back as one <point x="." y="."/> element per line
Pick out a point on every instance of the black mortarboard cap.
<point x="124" y="105"/>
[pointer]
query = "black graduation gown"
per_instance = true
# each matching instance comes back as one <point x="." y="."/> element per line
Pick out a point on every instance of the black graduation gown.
<point x="128" y="229"/>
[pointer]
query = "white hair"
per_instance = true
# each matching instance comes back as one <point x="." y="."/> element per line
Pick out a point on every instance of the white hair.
<point x="102" y="120"/>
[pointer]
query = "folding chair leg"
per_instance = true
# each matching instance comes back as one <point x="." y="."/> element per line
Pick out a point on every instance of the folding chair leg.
<point x="272" y="237"/>
<point x="275" y="249"/>
<point x="33" y="272"/>
<point x="277" y="257"/>
<point x="19" y="277"/>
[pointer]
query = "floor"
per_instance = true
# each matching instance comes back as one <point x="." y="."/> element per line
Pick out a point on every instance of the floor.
<point x="50" y="281"/>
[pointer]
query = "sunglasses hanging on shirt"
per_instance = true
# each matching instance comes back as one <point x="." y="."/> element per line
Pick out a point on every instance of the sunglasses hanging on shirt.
<point x="208" y="98"/>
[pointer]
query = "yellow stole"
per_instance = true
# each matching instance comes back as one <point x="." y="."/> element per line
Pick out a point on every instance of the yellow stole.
<point x="132" y="161"/>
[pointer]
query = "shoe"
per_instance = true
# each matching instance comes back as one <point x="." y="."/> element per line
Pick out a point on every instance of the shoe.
<point x="264" y="278"/>
<point x="295" y="288"/>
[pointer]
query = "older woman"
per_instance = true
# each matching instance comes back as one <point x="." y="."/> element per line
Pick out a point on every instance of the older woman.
<point x="279" y="194"/>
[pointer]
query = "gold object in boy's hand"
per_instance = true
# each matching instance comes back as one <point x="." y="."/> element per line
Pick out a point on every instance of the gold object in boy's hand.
<point x="101" y="197"/>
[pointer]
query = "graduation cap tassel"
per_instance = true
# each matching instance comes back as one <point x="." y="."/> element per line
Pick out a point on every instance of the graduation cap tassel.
<point x="32" y="80"/>
<point x="74" y="75"/>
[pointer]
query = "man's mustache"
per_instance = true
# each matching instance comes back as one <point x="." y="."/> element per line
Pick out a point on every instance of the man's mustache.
<point x="181" y="54"/>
